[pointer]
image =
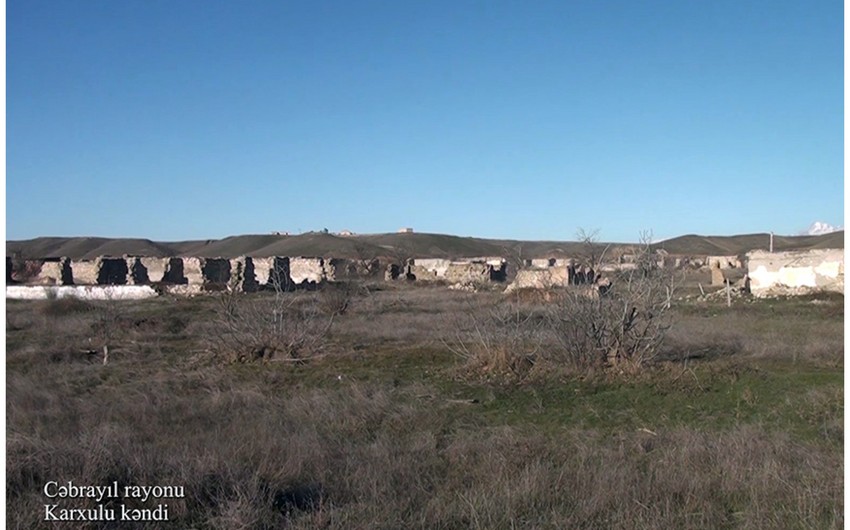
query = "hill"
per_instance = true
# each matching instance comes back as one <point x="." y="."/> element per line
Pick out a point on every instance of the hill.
<point x="741" y="244"/>
<point x="393" y="245"/>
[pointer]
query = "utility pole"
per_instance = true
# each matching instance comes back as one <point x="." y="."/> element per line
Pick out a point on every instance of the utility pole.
<point x="771" y="242"/>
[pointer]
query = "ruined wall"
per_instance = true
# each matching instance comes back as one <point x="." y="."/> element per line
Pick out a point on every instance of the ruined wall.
<point x="541" y="263"/>
<point x="85" y="271"/>
<point x="242" y="276"/>
<point x="724" y="262"/>
<point x="540" y="278"/>
<point x="349" y="269"/>
<point x="54" y="272"/>
<point x="459" y="272"/>
<point x="112" y="271"/>
<point x="205" y="272"/>
<point x="215" y="271"/>
<point x="429" y="268"/>
<point x="811" y="269"/>
<point x="155" y="268"/>
<point x="26" y="271"/>
<point x="498" y="270"/>
<point x="269" y="272"/>
<point x="101" y="271"/>
<point x="137" y="273"/>
<point x="307" y="270"/>
<point x="193" y="271"/>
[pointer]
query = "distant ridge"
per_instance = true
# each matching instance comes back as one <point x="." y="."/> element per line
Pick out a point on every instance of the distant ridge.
<point x="733" y="245"/>
<point x="392" y="245"/>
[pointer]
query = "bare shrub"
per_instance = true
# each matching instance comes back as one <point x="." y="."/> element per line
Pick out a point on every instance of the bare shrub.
<point x="256" y="327"/>
<point x="622" y="326"/>
<point x="500" y="341"/>
<point x="336" y="298"/>
<point x="57" y="307"/>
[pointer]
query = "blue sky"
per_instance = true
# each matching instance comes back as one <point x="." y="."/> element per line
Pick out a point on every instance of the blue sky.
<point x="192" y="120"/>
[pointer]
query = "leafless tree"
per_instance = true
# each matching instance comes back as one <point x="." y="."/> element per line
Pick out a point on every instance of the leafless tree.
<point x="625" y="326"/>
<point x="279" y="325"/>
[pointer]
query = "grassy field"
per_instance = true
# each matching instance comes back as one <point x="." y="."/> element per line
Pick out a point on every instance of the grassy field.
<point x="739" y="423"/>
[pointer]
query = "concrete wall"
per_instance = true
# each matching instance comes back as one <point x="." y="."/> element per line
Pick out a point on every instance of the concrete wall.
<point x="85" y="292"/>
<point x="814" y="269"/>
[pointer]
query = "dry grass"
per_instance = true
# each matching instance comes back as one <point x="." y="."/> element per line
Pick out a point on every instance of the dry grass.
<point x="381" y="434"/>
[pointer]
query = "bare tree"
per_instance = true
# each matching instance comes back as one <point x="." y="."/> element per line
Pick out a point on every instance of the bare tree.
<point x="281" y="325"/>
<point x="623" y="327"/>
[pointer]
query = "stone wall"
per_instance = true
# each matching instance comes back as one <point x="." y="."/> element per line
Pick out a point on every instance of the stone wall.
<point x="540" y="278"/>
<point x="459" y="271"/>
<point x="802" y="270"/>
<point x="349" y="269"/>
<point x="54" y="272"/>
<point x="85" y="271"/>
<point x="112" y="271"/>
<point x="468" y="272"/>
<point x="271" y="272"/>
<point x="137" y="273"/>
<point x="429" y="268"/>
<point x="155" y="268"/>
<point x="174" y="272"/>
<point x="307" y="270"/>
<point x="242" y="276"/>
<point x="724" y="262"/>
<point x="215" y="271"/>
<point x="193" y="271"/>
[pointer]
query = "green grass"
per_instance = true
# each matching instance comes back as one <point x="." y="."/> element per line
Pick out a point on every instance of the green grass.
<point x="398" y="432"/>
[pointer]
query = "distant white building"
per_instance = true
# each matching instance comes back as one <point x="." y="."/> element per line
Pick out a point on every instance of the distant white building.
<point x="345" y="233"/>
<point x="405" y="230"/>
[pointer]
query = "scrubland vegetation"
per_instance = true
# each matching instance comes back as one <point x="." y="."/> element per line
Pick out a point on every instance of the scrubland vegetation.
<point x="423" y="407"/>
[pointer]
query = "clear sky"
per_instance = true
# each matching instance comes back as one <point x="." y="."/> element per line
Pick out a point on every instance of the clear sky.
<point x="177" y="120"/>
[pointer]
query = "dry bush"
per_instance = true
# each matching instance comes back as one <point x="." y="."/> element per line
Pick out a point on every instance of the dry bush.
<point x="251" y="327"/>
<point x="501" y="341"/>
<point x="336" y="298"/>
<point x="57" y="307"/>
<point x="624" y="326"/>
